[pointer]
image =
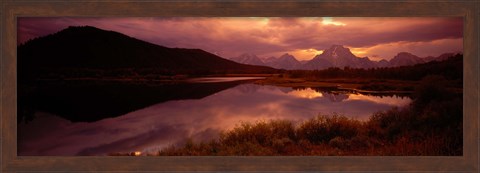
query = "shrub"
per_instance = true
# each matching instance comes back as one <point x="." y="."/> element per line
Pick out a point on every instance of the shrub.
<point x="435" y="129"/>
<point x="323" y="128"/>
<point x="431" y="88"/>
<point x="262" y="133"/>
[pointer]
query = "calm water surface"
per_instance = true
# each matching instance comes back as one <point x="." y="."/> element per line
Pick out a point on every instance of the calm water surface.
<point x="171" y="122"/>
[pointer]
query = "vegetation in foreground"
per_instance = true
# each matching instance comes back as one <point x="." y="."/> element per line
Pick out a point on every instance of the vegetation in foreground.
<point x="430" y="125"/>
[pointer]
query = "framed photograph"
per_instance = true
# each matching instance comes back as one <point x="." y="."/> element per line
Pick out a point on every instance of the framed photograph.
<point x="239" y="86"/>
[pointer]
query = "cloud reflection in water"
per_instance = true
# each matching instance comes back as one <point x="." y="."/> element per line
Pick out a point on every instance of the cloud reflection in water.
<point x="172" y="122"/>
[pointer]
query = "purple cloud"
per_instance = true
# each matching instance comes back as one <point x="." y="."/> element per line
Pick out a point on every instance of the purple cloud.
<point x="229" y="37"/>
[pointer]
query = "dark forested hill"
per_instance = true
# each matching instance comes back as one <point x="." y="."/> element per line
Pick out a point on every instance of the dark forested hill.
<point x="88" y="47"/>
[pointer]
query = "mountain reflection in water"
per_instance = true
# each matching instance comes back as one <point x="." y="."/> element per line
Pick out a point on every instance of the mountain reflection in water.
<point x="172" y="122"/>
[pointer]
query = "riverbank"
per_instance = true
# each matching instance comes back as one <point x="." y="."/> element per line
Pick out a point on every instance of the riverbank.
<point x="430" y="126"/>
<point x="360" y="85"/>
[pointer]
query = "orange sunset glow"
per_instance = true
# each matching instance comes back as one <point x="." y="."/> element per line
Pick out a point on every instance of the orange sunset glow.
<point x="376" y="38"/>
<point x="240" y="86"/>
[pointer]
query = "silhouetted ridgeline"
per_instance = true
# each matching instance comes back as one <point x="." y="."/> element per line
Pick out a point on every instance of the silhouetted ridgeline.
<point x="87" y="48"/>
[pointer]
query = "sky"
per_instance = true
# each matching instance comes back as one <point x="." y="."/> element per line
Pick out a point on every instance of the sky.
<point x="374" y="37"/>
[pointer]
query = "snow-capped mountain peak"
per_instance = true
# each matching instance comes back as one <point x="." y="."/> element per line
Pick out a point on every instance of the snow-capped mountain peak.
<point x="248" y="58"/>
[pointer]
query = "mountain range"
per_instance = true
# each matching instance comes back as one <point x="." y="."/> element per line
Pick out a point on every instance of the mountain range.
<point x="86" y="47"/>
<point x="81" y="49"/>
<point x="337" y="56"/>
<point x="286" y="61"/>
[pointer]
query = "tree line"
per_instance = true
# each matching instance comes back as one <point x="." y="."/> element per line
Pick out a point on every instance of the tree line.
<point x="451" y="69"/>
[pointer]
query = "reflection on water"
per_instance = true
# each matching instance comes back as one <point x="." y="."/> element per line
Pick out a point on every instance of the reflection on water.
<point x="306" y="93"/>
<point x="171" y="122"/>
<point x="221" y="79"/>
<point x="80" y="101"/>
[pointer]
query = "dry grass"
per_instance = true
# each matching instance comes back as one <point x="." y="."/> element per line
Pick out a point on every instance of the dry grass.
<point x="431" y="125"/>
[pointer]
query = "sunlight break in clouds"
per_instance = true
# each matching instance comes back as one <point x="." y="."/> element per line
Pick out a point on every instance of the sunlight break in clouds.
<point x="377" y="38"/>
<point x="329" y="21"/>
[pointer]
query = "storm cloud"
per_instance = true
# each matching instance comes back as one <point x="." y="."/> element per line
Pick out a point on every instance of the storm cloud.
<point x="303" y="37"/>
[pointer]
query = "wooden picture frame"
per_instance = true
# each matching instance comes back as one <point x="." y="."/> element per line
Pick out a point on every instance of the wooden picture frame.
<point x="10" y="10"/>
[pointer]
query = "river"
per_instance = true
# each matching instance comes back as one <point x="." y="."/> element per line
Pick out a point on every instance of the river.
<point x="147" y="118"/>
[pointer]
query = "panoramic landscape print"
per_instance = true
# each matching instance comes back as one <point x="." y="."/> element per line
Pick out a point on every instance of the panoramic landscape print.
<point x="240" y="86"/>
